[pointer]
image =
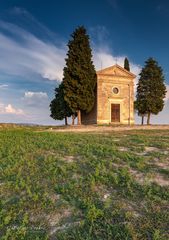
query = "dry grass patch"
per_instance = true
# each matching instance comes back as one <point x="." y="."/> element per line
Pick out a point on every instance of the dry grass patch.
<point x="151" y="149"/>
<point x="54" y="218"/>
<point x="161" y="163"/>
<point x="123" y="149"/>
<point x="69" y="158"/>
<point x="116" y="140"/>
<point x="143" y="178"/>
<point x="160" y="180"/>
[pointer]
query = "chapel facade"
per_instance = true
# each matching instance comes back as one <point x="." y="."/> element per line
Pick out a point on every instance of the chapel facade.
<point x="114" y="102"/>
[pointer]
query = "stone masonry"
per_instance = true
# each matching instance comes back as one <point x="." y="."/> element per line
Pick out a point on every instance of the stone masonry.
<point x="114" y="98"/>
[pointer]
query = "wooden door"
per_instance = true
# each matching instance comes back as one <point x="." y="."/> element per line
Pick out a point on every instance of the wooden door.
<point x="115" y="112"/>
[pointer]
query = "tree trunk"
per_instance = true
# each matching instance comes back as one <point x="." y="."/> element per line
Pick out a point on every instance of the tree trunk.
<point x="79" y="117"/>
<point x="142" y="120"/>
<point x="73" y="119"/>
<point x="148" y="119"/>
<point x="66" y="121"/>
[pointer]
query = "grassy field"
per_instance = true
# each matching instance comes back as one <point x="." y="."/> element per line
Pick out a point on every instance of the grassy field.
<point x="84" y="186"/>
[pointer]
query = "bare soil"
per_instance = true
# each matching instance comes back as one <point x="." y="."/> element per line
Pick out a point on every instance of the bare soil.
<point x="108" y="128"/>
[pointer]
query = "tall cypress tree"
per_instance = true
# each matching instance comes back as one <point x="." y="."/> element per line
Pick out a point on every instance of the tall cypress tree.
<point x="79" y="74"/>
<point x="140" y="106"/>
<point x="151" y="89"/>
<point x="126" y="64"/>
<point x="58" y="107"/>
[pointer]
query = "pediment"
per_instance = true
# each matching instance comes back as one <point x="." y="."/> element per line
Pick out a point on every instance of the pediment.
<point x="116" y="70"/>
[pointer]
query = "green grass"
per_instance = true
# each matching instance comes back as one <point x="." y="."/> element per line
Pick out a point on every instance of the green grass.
<point x="84" y="186"/>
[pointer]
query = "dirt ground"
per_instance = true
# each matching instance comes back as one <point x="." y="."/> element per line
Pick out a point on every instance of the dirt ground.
<point x="96" y="128"/>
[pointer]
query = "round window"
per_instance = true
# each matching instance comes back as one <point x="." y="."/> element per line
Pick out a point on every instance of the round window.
<point x="115" y="90"/>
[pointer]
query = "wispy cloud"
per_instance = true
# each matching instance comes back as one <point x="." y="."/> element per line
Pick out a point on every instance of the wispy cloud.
<point x="25" y="55"/>
<point x="35" y="99"/>
<point x="3" y="86"/>
<point x="31" y="95"/>
<point x="103" y="58"/>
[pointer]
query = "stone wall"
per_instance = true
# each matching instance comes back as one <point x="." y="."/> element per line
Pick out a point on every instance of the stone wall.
<point x="106" y="97"/>
<point x="107" y="79"/>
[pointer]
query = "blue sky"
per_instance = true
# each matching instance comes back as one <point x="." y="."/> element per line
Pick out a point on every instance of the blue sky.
<point x="33" y="39"/>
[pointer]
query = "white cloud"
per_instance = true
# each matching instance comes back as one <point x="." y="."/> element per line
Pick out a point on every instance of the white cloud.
<point x="103" y="58"/>
<point x="36" y="56"/>
<point x="35" y="98"/>
<point x="9" y="109"/>
<point x="33" y="56"/>
<point x="3" y="86"/>
<point x="35" y="94"/>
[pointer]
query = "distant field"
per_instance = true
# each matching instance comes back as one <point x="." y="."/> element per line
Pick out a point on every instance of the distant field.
<point x="84" y="186"/>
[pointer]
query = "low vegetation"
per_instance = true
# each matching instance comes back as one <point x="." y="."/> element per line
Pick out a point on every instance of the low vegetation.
<point x="84" y="185"/>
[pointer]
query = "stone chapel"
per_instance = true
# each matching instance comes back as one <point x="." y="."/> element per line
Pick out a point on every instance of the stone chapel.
<point x="114" y="102"/>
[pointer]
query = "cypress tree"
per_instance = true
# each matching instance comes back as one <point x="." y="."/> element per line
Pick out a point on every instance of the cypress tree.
<point x="139" y="107"/>
<point x="58" y="107"/>
<point x="79" y="74"/>
<point x="126" y="64"/>
<point x="151" y="89"/>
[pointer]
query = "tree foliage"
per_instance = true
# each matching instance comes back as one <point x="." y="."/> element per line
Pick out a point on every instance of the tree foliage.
<point x="151" y="89"/>
<point x="58" y="106"/>
<point x="126" y="64"/>
<point x="79" y="74"/>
